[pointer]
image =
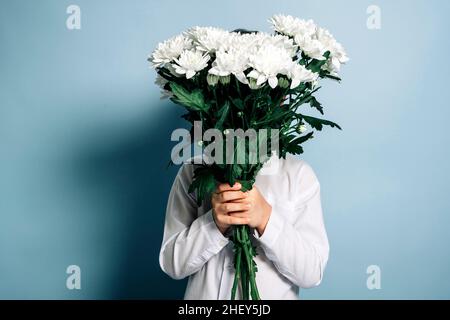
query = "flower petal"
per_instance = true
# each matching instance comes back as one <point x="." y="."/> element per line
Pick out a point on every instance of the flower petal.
<point x="190" y="74"/>
<point x="261" y="80"/>
<point x="273" y="81"/>
<point x="253" y="74"/>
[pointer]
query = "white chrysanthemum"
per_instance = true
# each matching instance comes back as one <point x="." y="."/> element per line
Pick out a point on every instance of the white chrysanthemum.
<point x="292" y="26"/>
<point x="243" y="42"/>
<point x="304" y="33"/>
<point x="313" y="48"/>
<point x="232" y="62"/>
<point x="278" y="40"/>
<point x="284" y="24"/>
<point x="269" y="61"/>
<point x="209" y="39"/>
<point x="169" y="50"/>
<point x="190" y="62"/>
<point x="298" y="74"/>
<point x="338" y="55"/>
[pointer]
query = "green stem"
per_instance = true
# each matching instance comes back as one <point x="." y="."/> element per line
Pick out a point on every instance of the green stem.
<point x="244" y="265"/>
<point x="244" y="281"/>
<point x="249" y="260"/>
<point x="237" y="87"/>
<point x="237" y="274"/>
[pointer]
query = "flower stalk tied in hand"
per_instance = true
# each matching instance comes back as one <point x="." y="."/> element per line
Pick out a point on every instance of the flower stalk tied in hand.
<point x="231" y="81"/>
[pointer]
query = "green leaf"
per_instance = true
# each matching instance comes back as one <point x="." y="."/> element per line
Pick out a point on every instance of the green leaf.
<point x="332" y="77"/>
<point x="302" y="139"/>
<point x="294" y="149"/>
<point x="316" y="104"/>
<point x="318" y="124"/>
<point x="192" y="100"/>
<point x="203" y="183"/>
<point x="236" y="171"/>
<point x="246" y="185"/>
<point x="229" y="175"/>
<point x="304" y="97"/>
<point x="238" y="103"/>
<point x="222" y="114"/>
<point x="316" y="65"/>
<point x="278" y="114"/>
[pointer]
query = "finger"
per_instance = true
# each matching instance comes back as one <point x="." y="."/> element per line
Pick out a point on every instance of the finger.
<point x="236" y="220"/>
<point x="225" y="210"/>
<point x="240" y="214"/>
<point x="231" y="196"/>
<point x="243" y="200"/>
<point x="226" y="187"/>
<point x="232" y="207"/>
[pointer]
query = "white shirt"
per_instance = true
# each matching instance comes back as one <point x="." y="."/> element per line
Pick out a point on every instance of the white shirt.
<point x="292" y="251"/>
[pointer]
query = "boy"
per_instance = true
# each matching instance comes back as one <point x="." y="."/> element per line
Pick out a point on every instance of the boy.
<point x="284" y="211"/>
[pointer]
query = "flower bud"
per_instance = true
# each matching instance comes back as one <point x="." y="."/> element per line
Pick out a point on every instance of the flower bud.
<point x="212" y="79"/>
<point x="283" y="83"/>
<point x="252" y="84"/>
<point x="224" y="80"/>
<point x="301" y="128"/>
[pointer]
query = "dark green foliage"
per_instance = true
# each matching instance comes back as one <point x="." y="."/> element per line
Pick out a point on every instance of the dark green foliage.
<point x="203" y="183"/>
<point x="318" y="124"/>
<point x="222" y="115"/>
<point x="192" y="100"/>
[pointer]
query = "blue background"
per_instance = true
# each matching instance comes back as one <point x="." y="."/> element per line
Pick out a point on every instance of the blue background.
<point x="84" y="141"/>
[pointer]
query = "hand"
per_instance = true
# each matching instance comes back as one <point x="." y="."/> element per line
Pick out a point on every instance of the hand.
<point x="234" y="207"/>
<point x="260" y="210"/>
<point x="229" y="205"/>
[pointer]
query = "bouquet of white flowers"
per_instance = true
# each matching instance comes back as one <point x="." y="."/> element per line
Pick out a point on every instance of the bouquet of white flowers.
<point x="248" y="80"/>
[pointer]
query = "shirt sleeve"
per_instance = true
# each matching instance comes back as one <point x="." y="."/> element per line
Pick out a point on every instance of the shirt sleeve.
<point x="299" y="247"/>
<point x="189" y="240"/>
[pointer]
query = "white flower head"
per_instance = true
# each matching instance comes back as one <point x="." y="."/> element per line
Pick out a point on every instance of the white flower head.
<point x="244" y="42"/>
<point x="267" y="62"/>
<point x="232" y="62"/>
<point x="305" y="33"/>
<point x="284" y="24"/>
<point x="313" y="48"/>
<point x="279" y="41"/>
<point x="169" y="50"/>
<point x="298" y="74"/>
<point x="190" y="62"/>
<point x="338" y="55"/>
<point x="291" y="26"/>
<point x="209" y="39"/>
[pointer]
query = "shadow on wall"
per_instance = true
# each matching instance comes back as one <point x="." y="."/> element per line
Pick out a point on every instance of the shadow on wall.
<point x="134" y="172"/>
